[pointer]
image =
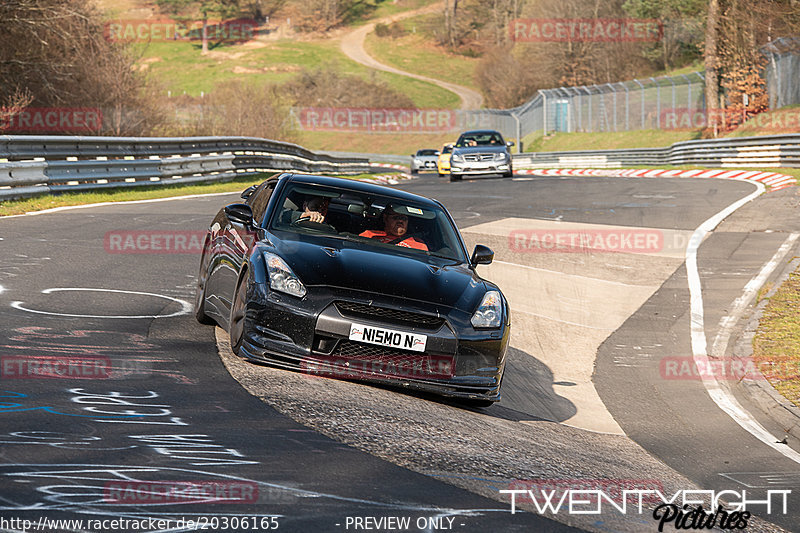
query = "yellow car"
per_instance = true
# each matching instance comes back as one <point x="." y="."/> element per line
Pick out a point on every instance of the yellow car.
<point x="443" y="163"/>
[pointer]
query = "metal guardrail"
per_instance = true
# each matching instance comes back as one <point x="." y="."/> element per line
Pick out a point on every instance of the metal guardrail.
<point x="769" y="151"/>
<point x="32" y="165"/>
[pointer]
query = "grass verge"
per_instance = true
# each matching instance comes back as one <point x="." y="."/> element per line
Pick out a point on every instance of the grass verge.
<point x="122" y="194"/>
<point x="415" y="52"/>
<point x="181" y="67"/>
<point x="776" y="343"/>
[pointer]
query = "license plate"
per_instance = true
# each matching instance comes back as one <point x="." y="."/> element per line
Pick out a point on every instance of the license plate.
<point x="388" y="337"/>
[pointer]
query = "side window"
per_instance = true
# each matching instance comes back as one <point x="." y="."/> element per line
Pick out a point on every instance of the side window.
<point x="259" y="200"/>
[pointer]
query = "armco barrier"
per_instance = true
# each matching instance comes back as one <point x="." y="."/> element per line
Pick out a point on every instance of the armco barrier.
<point x="32" y="165"/>
<point x="769" y="151"/>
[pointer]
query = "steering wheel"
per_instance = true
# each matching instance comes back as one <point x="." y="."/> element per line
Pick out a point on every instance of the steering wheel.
<point x="318" y="226"/>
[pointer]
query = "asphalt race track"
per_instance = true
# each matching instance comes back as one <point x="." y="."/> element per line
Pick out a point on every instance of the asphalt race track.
<point x="144" y="412"/>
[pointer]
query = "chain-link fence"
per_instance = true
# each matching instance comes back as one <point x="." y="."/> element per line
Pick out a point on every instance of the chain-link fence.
<point x="783" y="72"/>
<point x="667" y="102"/>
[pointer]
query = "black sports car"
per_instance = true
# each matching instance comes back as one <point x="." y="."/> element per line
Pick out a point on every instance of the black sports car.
<point x="353" y="280"/>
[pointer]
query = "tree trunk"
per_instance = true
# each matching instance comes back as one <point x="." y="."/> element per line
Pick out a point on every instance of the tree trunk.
<point x="712" y="65"/>
<point x="205" y="34"/>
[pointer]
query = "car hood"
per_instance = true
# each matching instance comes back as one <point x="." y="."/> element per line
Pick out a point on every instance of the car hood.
<point x="426" y="157"/>
<point x="351" y="265"/>
<point x="485" y="149"/>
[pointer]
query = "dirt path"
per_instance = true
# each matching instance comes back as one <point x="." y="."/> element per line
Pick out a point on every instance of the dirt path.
<point x="353" y="46"/>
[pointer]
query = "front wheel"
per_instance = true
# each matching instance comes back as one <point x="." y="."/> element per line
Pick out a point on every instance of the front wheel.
<point x="455" y="177"/>
<point x="237" y="319"/>
<point x="200" y="291"/>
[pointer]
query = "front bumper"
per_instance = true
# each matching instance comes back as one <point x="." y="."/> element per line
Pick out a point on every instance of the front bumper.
<point x="479" y="167"/>
<point x="312" y="335"/>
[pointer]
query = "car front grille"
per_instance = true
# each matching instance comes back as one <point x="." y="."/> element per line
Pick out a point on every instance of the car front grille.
<point x="392" y="362"/>
<point x="393" y="316"/>
<point x="479" y="157"/>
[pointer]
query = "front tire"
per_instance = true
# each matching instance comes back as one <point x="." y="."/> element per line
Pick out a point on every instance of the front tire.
<point x="455" y="177"/>
<point x="200" y="292"/>
<point x="236" y="322"/>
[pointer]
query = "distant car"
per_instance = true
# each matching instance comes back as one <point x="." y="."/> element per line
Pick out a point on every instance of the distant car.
<point x="424" y="161"/>
<point x="343" y="298"/>
<point x="480" y="152"/>
<point x="443" y="164"/>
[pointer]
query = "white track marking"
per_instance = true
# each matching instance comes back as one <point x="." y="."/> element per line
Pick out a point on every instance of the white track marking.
<point x="102" y="204"/>
<point x="721" y="396"/>
<point x="2" y="289"/>
<point x="186" y="307"/>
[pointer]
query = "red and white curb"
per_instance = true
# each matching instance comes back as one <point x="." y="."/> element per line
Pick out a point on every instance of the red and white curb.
<point x="389" y="179"/>
<point x="774" y="180"/>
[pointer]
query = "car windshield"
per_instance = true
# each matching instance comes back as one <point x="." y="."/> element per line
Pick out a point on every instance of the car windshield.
<point x="367" y="218"/>
<point x="480" y="138"/>
<point x="426" y="152"/>
<point x="447" y="149"/>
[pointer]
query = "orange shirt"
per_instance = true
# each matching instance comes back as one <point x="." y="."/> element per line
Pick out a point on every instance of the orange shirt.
<point x="408" y="242"/>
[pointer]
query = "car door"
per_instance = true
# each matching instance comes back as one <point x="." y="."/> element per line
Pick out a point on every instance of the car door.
<point x="235" y="242"/>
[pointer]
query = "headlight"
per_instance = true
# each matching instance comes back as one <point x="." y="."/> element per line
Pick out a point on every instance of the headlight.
<point x="490" y="312"/>
<point x="500" y="156"/>
<point x="457" y="157"/>
<point x="417" y="161"/>
<point x="281" y="277"/>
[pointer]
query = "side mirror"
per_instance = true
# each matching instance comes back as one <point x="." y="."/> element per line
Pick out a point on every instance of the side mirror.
<point x="438" y="153"/>
<point x="509" y="143"/>
<point x="240" y="213"/>
<point x="483" y="255"/>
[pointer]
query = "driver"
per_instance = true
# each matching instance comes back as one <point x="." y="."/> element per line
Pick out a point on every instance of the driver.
<point x="395" y="229"/>
<point x="315" y="209"/>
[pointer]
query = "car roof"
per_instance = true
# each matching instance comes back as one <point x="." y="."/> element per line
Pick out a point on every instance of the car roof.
<point x="361" y="186"/>
<point x="475" y="132"/>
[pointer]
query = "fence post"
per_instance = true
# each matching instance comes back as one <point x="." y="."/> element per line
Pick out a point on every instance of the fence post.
<point x="613" y="90"/>
<point x="591" y="129"/>
<point x="641" y="87"/>
<point x="544" y="113"/>
<point x="658" y="103"/>
<point x="689" y="96"/>
<point x="627" y="107"/>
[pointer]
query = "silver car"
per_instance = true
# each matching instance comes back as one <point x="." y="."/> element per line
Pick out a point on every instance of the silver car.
<point x="479" y="152"/>
<point x="424" y="161"/>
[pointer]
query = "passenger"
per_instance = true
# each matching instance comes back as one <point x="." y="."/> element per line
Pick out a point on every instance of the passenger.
<point x="395" y="229"/>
